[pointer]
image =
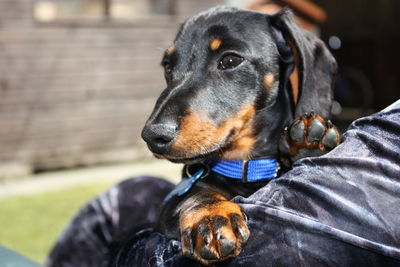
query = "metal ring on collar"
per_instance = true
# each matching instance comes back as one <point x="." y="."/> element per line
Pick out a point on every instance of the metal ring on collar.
<point x="203" y="165"/>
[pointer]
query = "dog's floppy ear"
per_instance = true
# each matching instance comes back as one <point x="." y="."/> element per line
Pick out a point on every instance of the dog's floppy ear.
<point x="314" y="67"/>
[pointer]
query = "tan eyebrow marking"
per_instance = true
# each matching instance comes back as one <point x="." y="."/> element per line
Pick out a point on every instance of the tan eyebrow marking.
<point x="170" y="50"/>
<point x="215" y="44"/>
<point x="268" y="80"/>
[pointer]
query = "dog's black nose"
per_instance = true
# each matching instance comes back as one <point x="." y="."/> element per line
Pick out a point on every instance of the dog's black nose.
<point x="159" y="137"/>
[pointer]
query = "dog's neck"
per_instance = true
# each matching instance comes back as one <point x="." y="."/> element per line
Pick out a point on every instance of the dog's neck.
<point x="270" y="123"/>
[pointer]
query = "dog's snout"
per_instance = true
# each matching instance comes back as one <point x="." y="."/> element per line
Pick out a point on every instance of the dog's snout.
<point x="159" y="137"/>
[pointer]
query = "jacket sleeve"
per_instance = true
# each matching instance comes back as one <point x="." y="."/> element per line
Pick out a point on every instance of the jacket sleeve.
<point x="341" y="209"/>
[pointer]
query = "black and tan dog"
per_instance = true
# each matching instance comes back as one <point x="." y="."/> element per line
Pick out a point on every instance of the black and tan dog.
<point x="235" y="80"/>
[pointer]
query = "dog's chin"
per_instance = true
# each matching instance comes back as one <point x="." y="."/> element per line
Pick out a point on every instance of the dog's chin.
<point x="217" y="151"/>
<point x="190" y="158"/>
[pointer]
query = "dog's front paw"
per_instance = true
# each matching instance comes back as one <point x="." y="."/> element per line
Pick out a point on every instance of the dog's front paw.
<point x="213" y="232"/>
<point x="308" y="135"/>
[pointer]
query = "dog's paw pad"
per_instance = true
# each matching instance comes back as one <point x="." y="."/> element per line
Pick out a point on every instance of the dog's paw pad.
<point x="332" y="137"/>
<point x="308" y="135"/>
<point x="215" y="233"/>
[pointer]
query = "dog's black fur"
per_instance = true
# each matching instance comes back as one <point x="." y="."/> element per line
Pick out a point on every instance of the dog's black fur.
<point x="229" y="96"/>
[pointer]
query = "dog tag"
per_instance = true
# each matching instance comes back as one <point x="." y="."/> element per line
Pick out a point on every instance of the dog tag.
<point x="184" y="186"/>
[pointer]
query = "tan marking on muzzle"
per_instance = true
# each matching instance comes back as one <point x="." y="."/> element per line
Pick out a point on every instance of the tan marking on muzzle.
<point x="241" y="148"/>
<point x="215" y="44"/>
<point x="198" y="135"/>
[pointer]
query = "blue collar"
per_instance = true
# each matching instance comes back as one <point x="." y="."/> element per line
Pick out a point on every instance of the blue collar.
<point x="247" y="171"/>
<point x="254" y="170"/>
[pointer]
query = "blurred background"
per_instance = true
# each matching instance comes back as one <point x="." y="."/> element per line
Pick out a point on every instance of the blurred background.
<point x="78" y="78"/>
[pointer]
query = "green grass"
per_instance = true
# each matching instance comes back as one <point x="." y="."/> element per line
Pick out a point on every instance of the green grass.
<point x="31" y="224"/>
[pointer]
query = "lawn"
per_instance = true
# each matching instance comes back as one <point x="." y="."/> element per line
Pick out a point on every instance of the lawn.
<point x="31" y="224"/>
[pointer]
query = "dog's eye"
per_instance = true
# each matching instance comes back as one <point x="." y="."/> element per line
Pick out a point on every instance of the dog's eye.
<point x="229" y="61"/>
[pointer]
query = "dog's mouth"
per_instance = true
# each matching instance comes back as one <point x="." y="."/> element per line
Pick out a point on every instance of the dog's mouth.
<point x="199" y="138"/>
<point x="231" y="147"/>
<point x="190" y="159"/>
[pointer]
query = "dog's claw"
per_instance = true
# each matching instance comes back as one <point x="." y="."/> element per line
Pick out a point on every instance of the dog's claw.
<point x="207" y="239"/>
<point x="331" y="138"/>
<point x="315" y="131"/>
<point x="187" y="242"/>
<point x="308" y="135"/>
<point x="227" y="247"/>
<point x="207" y="253"/>
<point x="296" y="131"/>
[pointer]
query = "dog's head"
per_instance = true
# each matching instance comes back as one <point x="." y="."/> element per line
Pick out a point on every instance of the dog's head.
<point x="235" y="79"/>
